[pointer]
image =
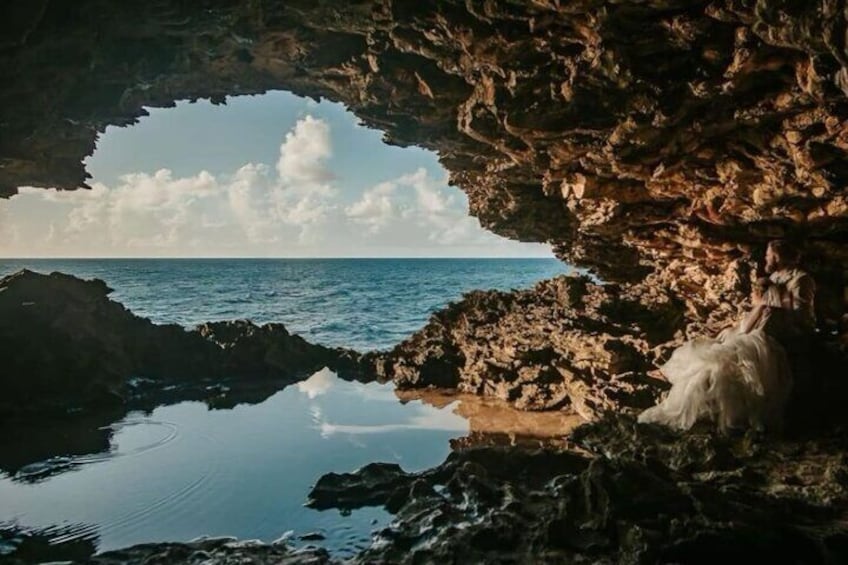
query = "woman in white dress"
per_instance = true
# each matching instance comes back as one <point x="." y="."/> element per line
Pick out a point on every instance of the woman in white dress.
<point x="742" y="378"/>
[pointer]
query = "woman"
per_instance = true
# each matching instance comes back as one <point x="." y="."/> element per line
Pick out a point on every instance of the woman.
<point x="742" y="378"/>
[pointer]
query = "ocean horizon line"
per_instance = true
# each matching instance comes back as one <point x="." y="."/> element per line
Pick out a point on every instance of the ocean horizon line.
<point x="318" y="258"/>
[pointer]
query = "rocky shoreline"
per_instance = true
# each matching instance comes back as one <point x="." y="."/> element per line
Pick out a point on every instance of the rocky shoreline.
<point x="68" y="348"/>
<point x="624" y="493"/>
<point x="608" y="492"/>
<point x="567" y="343"/>
<point x="634" y="495"/>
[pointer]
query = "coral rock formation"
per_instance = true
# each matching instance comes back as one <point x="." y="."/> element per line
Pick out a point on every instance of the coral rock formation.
<point x="672" y="137"/>
<point x="565" y="342"/>
<point x="641" y="496"/>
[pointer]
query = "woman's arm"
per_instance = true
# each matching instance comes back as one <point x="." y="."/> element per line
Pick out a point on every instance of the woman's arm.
<point x="802" y="293"/>
<point x="759" y="291"/>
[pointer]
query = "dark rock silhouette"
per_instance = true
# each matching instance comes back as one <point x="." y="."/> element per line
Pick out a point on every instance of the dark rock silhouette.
<point x="66" y="346"/>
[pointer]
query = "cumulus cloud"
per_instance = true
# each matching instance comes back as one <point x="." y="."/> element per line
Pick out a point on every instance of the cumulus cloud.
<point x="376" y="208"/>
<point x="418" y="207"/>
<point x="293" y="207"/>
<point x="304" y="153"/>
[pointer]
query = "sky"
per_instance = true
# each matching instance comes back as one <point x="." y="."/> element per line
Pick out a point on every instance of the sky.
<point x="261" y="176"/>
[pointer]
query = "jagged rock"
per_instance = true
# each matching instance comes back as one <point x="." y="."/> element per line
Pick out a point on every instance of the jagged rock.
<point x="220" y="550"/>
<point x="640" y="495"/>
<point x="266" y="350"/>
<point x="21" y="546"/>
<point x="670" y="138"/>
<point x="376" y="484"/>
<point x="565" y="342"/>
<point x="64" y="345"/>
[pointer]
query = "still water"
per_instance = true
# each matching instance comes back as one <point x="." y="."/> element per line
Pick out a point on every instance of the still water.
<point x="184" y="471"/>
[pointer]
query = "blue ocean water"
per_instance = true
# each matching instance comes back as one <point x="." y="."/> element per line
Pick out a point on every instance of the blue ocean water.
<point x="359" y="303"/>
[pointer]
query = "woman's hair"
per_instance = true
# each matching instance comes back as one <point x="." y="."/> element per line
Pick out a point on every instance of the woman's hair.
<point x="788" y="252"/>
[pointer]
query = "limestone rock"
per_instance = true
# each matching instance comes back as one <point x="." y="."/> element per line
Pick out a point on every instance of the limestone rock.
<point x="639" y="495"/>
<point x="669" y="138"/>
<point x="565" y="342"/>
<point x="214" y="550"/>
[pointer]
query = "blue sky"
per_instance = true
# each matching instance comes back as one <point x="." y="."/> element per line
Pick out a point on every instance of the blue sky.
<point x="262" y="176"/>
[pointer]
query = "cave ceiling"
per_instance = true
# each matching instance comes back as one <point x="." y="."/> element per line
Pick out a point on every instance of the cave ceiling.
<point x="631" y="135"/>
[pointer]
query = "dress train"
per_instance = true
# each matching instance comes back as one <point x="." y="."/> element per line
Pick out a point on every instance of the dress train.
<point x="736" y="380"/>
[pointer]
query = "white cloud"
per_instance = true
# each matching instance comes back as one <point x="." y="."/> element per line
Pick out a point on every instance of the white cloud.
<point x="248" y="196"/>
<point x="304" y="153"/>
<point x="375" y="209"/>
<point x="292" y="208"/>
<point x="420" y="208"/>
<point x="9" y="235"/>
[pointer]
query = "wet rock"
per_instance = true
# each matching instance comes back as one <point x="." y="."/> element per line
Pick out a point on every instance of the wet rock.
<point x="218" y="550"/>
<point x="376" y="484"/>
<point x="29" y="545"/>
<point x="567" y="342"/>
<point x="66" y="346"/>
<point x="638" y="495"/>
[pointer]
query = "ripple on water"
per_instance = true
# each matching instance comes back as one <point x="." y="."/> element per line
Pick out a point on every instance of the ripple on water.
<point x="183" y="471"/>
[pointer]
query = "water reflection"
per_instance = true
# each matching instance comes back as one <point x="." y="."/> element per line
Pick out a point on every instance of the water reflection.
<point x="35" y="450"/>
<point x="186" y="470"/>
<point x="318" y="384"/>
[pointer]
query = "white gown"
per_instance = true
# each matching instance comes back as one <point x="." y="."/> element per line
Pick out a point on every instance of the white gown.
<point x="742" y="378"/>
<point x="737" y="380"/>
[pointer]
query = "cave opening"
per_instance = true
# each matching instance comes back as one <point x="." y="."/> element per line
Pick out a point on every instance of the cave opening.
<point x="272" y="175"/>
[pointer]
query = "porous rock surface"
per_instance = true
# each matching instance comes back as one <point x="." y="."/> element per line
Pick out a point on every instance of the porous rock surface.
<point x="64" y="344"/>
<point x="216" y="550"/>
<point x="22" y="546"/>
<point x="567" y="342"/>
<point x="635" y="495"/>
<point x="571" y="343"/>
<point x="671" y="137"/>
<point x="659" y="144"/>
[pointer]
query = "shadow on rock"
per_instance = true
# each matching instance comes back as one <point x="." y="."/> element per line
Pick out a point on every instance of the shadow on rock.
<point x="637" y="495"/>
<point x="67" y="347"/>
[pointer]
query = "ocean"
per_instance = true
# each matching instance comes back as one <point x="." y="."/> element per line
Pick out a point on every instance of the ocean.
<point x="362" y="304"/>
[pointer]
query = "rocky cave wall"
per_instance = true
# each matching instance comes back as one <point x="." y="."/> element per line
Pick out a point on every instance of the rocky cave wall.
<point x="654" y="141"/>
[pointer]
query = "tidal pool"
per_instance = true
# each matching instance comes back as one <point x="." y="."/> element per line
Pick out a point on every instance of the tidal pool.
<point x="184" y="471"/>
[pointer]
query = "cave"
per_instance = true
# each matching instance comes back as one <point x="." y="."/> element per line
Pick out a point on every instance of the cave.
<point x="638" y="139"/>
<point x="658" y="144"/>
